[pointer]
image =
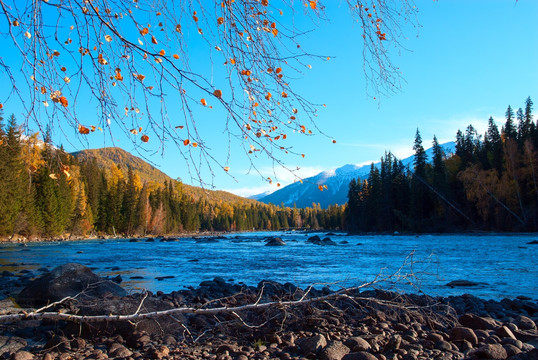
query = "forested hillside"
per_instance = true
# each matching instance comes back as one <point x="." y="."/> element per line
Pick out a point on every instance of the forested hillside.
<point x="490" y="183"/>
<point x="47" y="193"/>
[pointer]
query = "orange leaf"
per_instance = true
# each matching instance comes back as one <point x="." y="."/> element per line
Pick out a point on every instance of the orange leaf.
<point x="268" y="96"/>
<point x="154" y="39"/>
<point x="226" y="168"/>
<point x="265" y="2"/>
<point x="320" y="188"/>
<point x="162" y="52"/>
<point x="232" y="61"/>
<point x="313" y="5"/>
<point x="220" y="20"/>
<point x="175" y="56"/>
<point x="218" y="93"/>
<point x="278" y="70"/>
<point x="203" y="102"/>
<point x="83" y="130"/>
<point x="63" y="101"/>
<point x="144" y="31"/>
<point x="284" y="95"/>
<point x="270" y="70"/>
<point x="186" y="142"/>
<point x="194" y="144"/>
<point x="275" y="32"/>
<point x="334" y="141"/>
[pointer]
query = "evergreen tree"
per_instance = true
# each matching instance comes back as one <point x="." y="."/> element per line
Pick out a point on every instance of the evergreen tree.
<point x="494" y="147"/>
<point x="509" y="130"/>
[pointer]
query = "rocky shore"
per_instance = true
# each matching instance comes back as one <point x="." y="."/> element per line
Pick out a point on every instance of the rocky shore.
<point x="322" y="324"/>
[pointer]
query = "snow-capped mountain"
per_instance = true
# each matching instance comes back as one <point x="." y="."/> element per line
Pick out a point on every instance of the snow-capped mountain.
<point x="306" y="193"/>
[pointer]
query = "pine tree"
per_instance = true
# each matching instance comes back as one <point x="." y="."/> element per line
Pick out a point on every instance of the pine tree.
<point x="13" y="181"/>
<point x="509" y="130"/>
<point x="494" y="147"/>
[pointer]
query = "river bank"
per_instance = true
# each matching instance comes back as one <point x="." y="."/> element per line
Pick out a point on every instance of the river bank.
<point x="349" y="325"/>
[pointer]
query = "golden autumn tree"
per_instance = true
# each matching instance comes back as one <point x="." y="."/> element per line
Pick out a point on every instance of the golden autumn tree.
<point x="134" y="60"/>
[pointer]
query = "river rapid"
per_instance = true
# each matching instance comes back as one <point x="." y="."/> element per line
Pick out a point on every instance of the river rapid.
<point x="501" y="265"/>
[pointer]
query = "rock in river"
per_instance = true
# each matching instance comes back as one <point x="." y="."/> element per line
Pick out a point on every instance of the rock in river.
<point x="276" y="241"/>
<point x="67" y="280"/>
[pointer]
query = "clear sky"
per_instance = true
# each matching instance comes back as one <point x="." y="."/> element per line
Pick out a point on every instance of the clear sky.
<point x="468" y="61"/>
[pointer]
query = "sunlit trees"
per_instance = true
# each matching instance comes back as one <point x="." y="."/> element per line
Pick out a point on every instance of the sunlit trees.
<point x="152" y="67"/>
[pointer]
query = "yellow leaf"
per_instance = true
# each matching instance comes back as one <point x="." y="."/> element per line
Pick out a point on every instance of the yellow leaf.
<point x="108" y="38"/>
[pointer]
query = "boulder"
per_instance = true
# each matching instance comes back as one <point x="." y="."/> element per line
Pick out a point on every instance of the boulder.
<point x="314" y="240"/>
<point x="491" y="351"/>
<point x="327" y="241"/>
<point x="463" y="333"/>
<point x="476" y="322"/>
<point x="357" y="343"/>
<point x="334" y="351"/>
<point x="312" y="345"/>
<point x="361" y="355"/>
<point x="67" y="280"/>
<point x="10" y="345"/>
<point x="462" y="283"/>
<point x="525" y="323"/>
<point x="276" y="241"/>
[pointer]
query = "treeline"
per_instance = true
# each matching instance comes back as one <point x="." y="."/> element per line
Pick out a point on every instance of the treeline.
<point x="490" y="183"/>
<point x="46" y="192"/>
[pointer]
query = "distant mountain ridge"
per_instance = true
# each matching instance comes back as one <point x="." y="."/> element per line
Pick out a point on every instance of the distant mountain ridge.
<point x="113" y="156"/>
<point x="306" y="193"/>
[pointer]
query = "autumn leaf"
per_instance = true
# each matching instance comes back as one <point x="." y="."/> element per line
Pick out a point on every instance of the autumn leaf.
<point x="334" y="141"/>
<point x="220" y="20"/>
<point x="144" y="138"/>
<point x="268" y="96"/>
<point x="284" y="95"/>
<point x="313" y="5"/>
<point x="83" y="130"/>
<point x="278" y="70"/>
<point x="108" y="38"/>
<point x="226" y="168"/>
<point x="133" y="131"/>
<point x="265" y="2"/>
<point x="54" y="176"/>
<point x="154" y="40"/>
<point x="275" y="32"/>
<point x="63" y="101"/>
<point x="162" y="52"/>
<point x="175" y="56"/>
<point x="320" y="188"/>
<point x="144" y="31"/>
<point x="203" y="102"/>
<point x="186" y="142"/>
<point x="194" y="144"/>
<point x="218" y="93"/>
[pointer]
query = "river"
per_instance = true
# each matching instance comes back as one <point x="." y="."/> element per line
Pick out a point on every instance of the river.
<point x="503" y="265"/>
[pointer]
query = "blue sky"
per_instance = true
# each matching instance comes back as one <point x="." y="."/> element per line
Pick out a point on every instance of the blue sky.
<point x="470" y="60"/>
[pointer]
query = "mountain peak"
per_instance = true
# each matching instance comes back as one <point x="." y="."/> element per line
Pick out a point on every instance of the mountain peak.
<point x="337" y="181"/>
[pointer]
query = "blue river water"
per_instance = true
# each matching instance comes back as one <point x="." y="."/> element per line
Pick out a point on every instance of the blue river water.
<point x="503" y="265"/>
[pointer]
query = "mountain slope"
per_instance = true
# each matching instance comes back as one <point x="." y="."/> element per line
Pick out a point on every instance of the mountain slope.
<point x="337" y="181"/>
<point x="113" y="156"/>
